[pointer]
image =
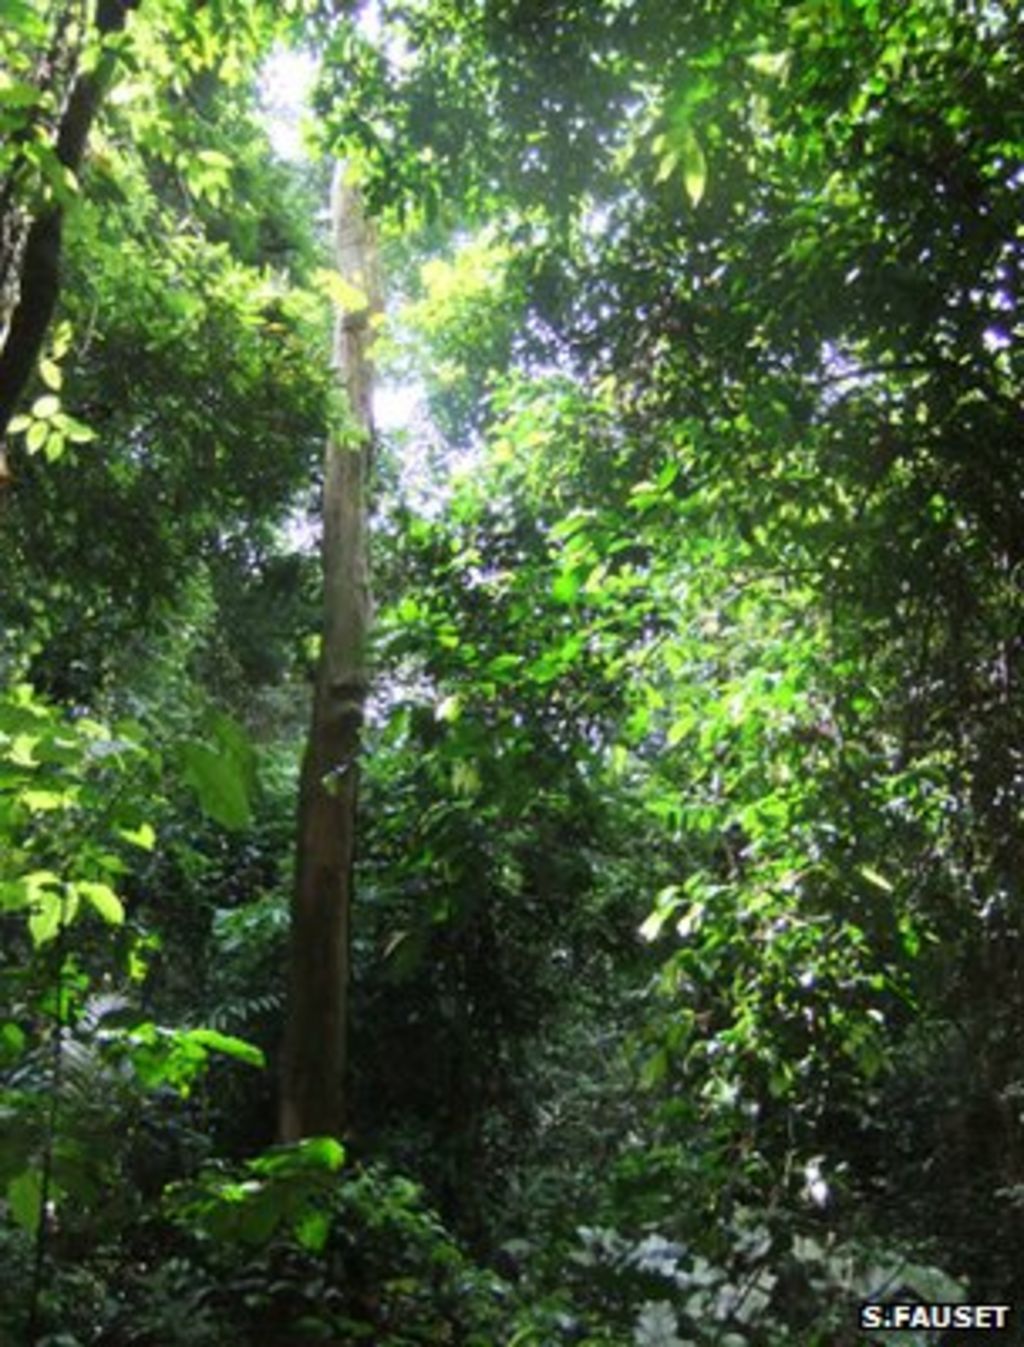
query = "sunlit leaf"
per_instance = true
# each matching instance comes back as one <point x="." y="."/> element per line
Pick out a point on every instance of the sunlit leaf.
<point x="38" y="433"/>
<point x="695" y="168"/>
<point x="214" y="1041"/>
<point x="51" y="908"/>
<point x="103" y="899"/>
<point x="774" y="64"/>
<point x="51" y="374"/>
<point x="143" y="836"/>
<point x="873" y="877"/>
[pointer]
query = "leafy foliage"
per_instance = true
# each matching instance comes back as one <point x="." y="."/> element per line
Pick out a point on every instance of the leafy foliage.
<point x="687" y="957"/>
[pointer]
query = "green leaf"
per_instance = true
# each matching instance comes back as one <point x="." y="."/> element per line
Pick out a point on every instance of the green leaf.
<point x="220" y="785"/>
<point x="51" y="374"/>
<point x="695" y="168"/>
<point x="53" y="446"/>
<point x="25" y="1198"/>
<point x="103" y="899"/>
<point x="38" y="433"/>
<point x="215" y="159"/>
<point x="774" y="64"/>
<point x="566" y="586"/>
<point x="143" y="836"/>
<point x="873" y="877"/>
<point x="45" y="921"/>
<point x="312" y="1229"/>
<point x="652" y="926"/>
<point x="321" y="1153"/>
<point x="666" y="904"/>
<point x="28" y="889"/>
<point x="679" y="729"/>
<point x="214" y="1041"/>
<point x="15" y="93"/>
<point x="45" y="407"/>
<point x="449" y="708"/>
<point x="312" y="1153"/>
<point x="45" y="801"/>
<point x="77" y="432"/>
<point x="12" y="1040"/>
<point x="667" y="166"/>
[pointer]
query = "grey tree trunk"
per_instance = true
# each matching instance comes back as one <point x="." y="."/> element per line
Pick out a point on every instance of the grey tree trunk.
<point x="314" y="1054"/>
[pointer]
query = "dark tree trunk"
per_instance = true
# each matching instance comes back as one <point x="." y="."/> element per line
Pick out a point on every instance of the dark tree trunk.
<point x="31" y="246"/>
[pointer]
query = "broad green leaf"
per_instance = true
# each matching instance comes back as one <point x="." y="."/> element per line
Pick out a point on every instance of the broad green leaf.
<point x="214" y="1041"/>
<point x="53" y="446"/>
<point x="51" y="374"/>
<point x="103" y="898"/>
<point x="311" y="1153"/>
<point x="220" y="785"/>
<point x="501" y="666"/>
<point x="16" y="94"/>
<point x="45" y="801"/>
<point x="215" y="159"/>
<point x="321" y="1153"/>
<point x="12" y="1040"/>
<point x="143" y="836"/>
<point x="25" y="1198"/>
<point x="77" y="432"/>
<point x="45" y="407"/>
<point x="566" y="586"/>
<point x="61" y="343"/>
<point x="38" y="433"/>
<point x="23" y="749"/>
<point x="45" y="921"/>
<point x="28" y="889"/>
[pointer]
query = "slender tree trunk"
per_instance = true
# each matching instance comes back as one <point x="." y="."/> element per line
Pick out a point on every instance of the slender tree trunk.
<point x="30" y="247"/>
<point x="312" y="1098"/>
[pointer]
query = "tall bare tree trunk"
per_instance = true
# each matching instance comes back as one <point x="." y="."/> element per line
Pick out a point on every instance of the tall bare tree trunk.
<point x="312" y="1099"/>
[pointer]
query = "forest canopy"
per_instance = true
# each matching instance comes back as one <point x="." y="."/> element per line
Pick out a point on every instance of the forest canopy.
<point x="610" y="930"/>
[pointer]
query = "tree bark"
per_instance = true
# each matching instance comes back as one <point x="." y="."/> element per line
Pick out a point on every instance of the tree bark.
<point x="30" y="265"/>
<point x="312" y="1086"/>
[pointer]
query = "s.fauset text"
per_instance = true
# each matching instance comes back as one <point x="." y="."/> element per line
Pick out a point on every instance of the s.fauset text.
<point x="898" y="1315"/>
